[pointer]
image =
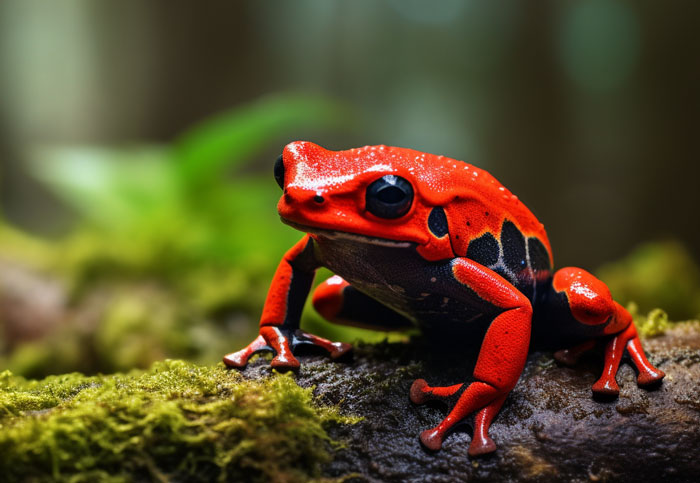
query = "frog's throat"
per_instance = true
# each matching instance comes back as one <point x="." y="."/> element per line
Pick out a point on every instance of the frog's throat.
<point x="353" y="237"/>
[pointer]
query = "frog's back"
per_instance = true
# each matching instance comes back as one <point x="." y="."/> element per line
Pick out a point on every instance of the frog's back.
<point x="490" y="225"/>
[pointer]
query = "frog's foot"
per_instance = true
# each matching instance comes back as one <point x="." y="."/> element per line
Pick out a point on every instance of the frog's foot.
<point x="240" y="358"/>
<point x="284" y="342"/>
<point x="432" y="438"/>
<point x="626" y="340"/>
<point x="477" y="395"/>
<point x="481" y="442"/>
<point x="335" y="350"/>
<point x="648" y="375"/>
<point x="421" y="393"/>
<point x="571" y="356"/>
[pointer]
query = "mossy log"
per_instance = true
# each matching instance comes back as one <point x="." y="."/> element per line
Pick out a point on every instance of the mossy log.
<point x="351" y="421"/>
<point x="550" y="428"/>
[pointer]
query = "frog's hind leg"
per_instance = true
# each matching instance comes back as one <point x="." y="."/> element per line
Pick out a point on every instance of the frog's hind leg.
<point x="481" y="441"/>
<point x="341" y="303"/>
<point x="499" y="365"/>
<point x="590" y="303"/>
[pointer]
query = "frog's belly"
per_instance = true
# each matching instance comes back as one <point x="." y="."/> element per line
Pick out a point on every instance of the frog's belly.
<point x="425" y="292"/>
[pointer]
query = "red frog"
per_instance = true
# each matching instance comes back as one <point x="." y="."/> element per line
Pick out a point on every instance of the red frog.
<point x="422" y="240"/>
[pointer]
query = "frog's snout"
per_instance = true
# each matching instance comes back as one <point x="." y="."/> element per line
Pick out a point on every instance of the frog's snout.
<point x="300" y="197"/>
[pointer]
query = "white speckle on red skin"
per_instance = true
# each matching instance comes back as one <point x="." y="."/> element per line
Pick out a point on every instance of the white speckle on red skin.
<point x="581" y="289"/>
<point x="335" y="280"/>
<point x="331" y="173"/>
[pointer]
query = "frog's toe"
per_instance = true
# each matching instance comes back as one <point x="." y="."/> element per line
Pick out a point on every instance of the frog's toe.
<point x="606" y="386"/>
<point x="240" y="358"/>
<point x="285" y="362"/>
<point x="236" y="359"/>
<point x="481" y="445"/>
<point x="565" y="357"/>
<point x="650" y="378"/>
<point x="648" y="374"/>
<point x="336" y="350"/>
<point x="432" y="439"/>
<point x="418" y="394"/>
<point x="421" y="392"/>
<point x="570" y="356"/>
<point x="340" y="350"/>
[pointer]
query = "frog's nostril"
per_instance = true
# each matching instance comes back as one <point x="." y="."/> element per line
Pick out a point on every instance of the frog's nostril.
<point x="279" y="171"/>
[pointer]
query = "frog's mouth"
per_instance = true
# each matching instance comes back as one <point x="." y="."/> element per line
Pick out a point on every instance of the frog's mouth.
<point x="343" y="235"/>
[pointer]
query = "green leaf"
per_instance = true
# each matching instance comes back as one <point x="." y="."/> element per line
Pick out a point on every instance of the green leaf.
<point x="232" y="137"/>
<point x="109" y="187"/>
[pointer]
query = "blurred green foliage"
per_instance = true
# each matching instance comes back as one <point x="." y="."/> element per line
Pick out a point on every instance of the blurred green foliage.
<point x="174" y="422"/>
<point x="658" y="274"/>
<point x="653" y="324"/>
<point x="174" y="247"/>
<point x="163" y="207"/>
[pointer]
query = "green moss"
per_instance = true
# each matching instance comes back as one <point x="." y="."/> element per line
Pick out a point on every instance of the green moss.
<point x="21" y="247"/>
<point x="655" y="323"/>
<point x="661" y="274"/>
<point x="176" y="421"/>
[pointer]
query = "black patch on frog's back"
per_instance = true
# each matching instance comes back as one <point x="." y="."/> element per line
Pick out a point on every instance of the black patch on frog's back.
<point x="538" y="254"/>
<point x="523" y="262"/>
<point x="437" y="222"/>
<point x="514" y="250"/>
<point x="484" y="250"/>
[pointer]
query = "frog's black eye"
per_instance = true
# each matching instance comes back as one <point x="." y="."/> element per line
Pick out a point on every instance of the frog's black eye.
<point x="279" y="172"/>
<point x="389" y="197"/>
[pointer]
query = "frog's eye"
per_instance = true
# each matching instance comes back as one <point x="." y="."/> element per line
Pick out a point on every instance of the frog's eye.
<point x="389" y="197"/>
<point x="279" y="172"/>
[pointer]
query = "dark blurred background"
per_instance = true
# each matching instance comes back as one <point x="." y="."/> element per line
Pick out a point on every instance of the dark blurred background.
<point x="588" y="111"/>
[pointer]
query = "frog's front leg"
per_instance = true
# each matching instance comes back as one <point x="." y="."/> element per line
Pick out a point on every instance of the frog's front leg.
<point x="279" y="323"/>
<point x="499" y="365"/>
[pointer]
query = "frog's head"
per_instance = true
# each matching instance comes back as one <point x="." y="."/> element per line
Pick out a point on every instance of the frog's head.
<point x="381" y="193"/>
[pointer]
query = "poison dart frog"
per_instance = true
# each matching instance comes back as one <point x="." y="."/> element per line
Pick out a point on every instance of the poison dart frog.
<point x="416" y="239"/>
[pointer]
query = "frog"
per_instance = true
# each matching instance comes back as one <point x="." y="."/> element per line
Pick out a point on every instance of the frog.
<point x="421" y="240"/>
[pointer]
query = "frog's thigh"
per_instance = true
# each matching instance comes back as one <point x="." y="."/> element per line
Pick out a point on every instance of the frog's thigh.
<point x="504" y="348"/>
<point x="341" y="303"/>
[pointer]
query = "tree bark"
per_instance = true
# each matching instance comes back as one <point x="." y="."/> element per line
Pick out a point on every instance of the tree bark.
<point x="550" y="428"/>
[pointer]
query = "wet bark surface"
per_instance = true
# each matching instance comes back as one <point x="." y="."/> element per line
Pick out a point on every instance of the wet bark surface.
<point x="550" y="428"/>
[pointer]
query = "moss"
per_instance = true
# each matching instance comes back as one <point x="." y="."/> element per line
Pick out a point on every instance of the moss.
<point x="176" y="421"/>
<point x="655" y="323"/>
<point x="661" y="274"/>
<point x="22" y="247"/>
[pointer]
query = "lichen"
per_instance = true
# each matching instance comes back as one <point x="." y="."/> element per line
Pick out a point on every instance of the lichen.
<point x="176" y="421"/>
<point x="532" y="465"/>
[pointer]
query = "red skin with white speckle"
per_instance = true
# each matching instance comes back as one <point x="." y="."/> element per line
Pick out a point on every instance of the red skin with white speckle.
<point x="418" y="239"/>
